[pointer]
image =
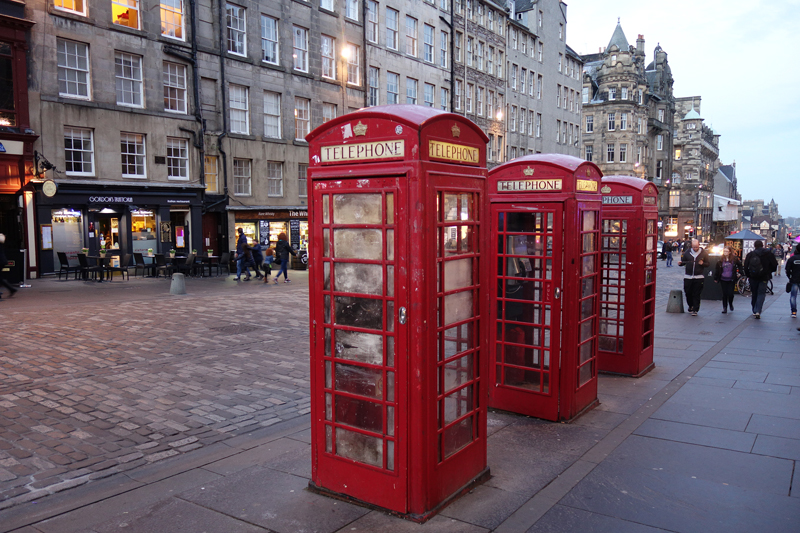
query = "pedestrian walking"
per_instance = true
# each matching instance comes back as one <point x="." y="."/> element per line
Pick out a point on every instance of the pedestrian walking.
<point x="666" y="249"/>
<point x="258" y="258"/>
<point x="793" y="272"/>
<point x="727" y="271"/>
<point x="269" y="258"/>
<point x="3" y="261"/>
<point x="695" y="259"/>
<point x="282" y="250"/>
<point x="759" y="266"/>
<point x="777" y="249"/>
<point x="241" y="246"/>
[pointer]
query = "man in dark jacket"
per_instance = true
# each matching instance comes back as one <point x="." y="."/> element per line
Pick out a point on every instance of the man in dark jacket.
<point x="11" y="290"/>
<point x="793" y="271"/>
<point x="666" y="249"/>
<point x="695" y="259"/>
<point x="759" y="266"/>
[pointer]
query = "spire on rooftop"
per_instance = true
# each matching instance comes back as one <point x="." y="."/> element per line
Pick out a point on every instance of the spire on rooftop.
<point x="618" y="39"/>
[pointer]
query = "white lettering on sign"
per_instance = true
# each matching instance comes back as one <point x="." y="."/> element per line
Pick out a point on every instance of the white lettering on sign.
<point x="111" y="199"/>
<point x="617" y="200"/>
<point x="453" y="152"/>
<point x="361" y="151"/>
<point x="529" y="185"/>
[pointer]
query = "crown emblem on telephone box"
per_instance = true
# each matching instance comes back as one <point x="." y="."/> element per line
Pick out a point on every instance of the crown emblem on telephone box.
<point x="456" y="131"/>
<point x="360" y="129"/>
<point x="528" y="171"/>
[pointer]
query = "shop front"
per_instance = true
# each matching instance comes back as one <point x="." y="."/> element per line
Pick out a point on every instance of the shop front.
<point x="265" y="224"/>
<point x="96" y="216"/>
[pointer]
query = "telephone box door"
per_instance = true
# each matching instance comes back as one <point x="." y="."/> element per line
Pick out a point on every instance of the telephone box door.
<point x="528" y="240"/>
<point x="358" y="319"/>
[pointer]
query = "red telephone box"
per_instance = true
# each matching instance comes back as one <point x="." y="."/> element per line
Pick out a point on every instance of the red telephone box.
<point x="628" y="275"/>
<point x="398" y="366"/>
<point x="544" y="225"/>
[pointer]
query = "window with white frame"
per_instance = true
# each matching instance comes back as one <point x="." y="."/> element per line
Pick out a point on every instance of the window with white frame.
<point x="514" y="38"/>
<point x="538" y="125"/>
<point x="470" y="92"/>
<point x="374" y="86"/>
<point x="133" y="155"/>
<point x="427" y="42"/>
<point x="560" y="61"/>
<point x="565" y="97"/>
<point x="457" y="44"/>
<point x="558" y="131"/>
<point x="499" y="151"/>
<point x="539" y="50"/>
<point x="558" y="96"/>
<point x="239" y="104"/>
<point x="512" y="119"/>
<point x="470" y="43"/>
<point x="479" y="48"/>
<point x="610" y="153"/>
<point x="411" y="91"/>
<point x="430" y="90"/>
<point x="585" y="95"/>
<point x="392" y="88"/>
<point x="612" y="93"/>
<point x="128" y="71"/>
<point x="530" y="123"/>
<point x="73" y="69"/>
<point x="539" y="83"/>
<point x="479" y="101"/>
<point x="444" y="99"/>
<point x="490" y="145"/>
<point x="612" y="124"/>
<point x="269" y="40"/>
<point x="78" y="152"/>
<point x="589" y="123"/>
<point x="351" y="9"/>
<point x="174" y="77"/>
<point x="411" y="36"/>
<point x="523" y="79"/>
<point x="242" y="177"/>
<point x="623" y="153"/>
<point x="123" y="13"/>
<point x="392" y="25"/>
<point x="272" y="115"/>
<point x="659" y="142"/>
<point x="73" y="6"/>
<point x="353" y="64"/>
<point x="300" y="48"/>
<point x="531" y="83"/>
<point x="490" y="17"/>
<point x="328" y="112"/>
<point x="522" y="113"/>
<point x="571" y="128"/>
<point x="513" y="153"/>
<point x="458" y="90"/>
<point x="589" y="152"/>
<point x="624" y="93"/>
<point x="237" y="29"/>
<point x="514" y="70"/>
<point x="490" y="60"/>
<point x="499" y="64"/>
<point x="639" y="125"/>
<point x="302" y="118"/>
<point x="274" y="178"/>
<point x="623" y="121"/>
<point x="328" y="46"/>
<point x="372" y="21"/>
<point x="641" y="96"/>
<point x="490" y="105"/>
<point x="172" y="19"/>
<point x="302" y="180"/>
<point x="659" y="169"/>
<point x="443" y="48"/>
<point x="561" y="31"/>
<point x="639" y="155"/>
<point x="177" y="159"/>
<point x="326" y="4"/>
<point x="675" y="198"/>
<point x="211" y="174"/>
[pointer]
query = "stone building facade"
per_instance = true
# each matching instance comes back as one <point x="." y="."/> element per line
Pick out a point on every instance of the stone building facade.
<point x="171" y="124"/>
<point x="690" y="190"/>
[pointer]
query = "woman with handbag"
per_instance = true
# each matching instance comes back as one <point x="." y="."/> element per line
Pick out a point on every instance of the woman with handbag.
<point x="727" y="271"/>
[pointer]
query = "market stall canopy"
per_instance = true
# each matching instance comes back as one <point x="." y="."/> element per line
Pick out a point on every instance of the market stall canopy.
<point x="746" y="235"/>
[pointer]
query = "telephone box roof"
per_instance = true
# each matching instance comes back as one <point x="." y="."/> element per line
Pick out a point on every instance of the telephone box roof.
<point x="567" y="162"/>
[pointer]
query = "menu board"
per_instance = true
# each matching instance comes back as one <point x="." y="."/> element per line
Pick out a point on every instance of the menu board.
<point x="263" y="232"/>
<point x="294" y="231"/>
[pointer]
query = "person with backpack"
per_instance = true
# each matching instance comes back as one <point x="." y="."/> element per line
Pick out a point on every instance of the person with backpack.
<point x="282" y="250"/>
<point x="695" y="259"/>
<point x="793" y="272"/>
<point x="759" y="266"/>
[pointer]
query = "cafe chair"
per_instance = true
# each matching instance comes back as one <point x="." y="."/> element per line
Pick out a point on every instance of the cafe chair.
<point x="85" y="269"/>
<point x="122" y="268"/>
<point x="187" y="266"/>
<point x="224" y="262"/>
<point x="162" y="265"/>
<point x="138" y="263"/>
<point x="65" y="268"/>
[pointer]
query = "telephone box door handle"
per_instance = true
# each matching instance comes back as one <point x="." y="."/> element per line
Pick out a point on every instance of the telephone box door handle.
<point x="402" y="315"/>
<point x="558" y="293"/>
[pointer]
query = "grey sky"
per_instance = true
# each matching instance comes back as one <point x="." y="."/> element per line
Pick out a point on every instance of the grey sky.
<point x="737" y="55"/>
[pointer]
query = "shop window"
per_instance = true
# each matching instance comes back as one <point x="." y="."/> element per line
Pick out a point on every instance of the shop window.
<point x="274" y="178"/>
<point x="125" y="13"/>
<point x="177" y="159"/>
<point x="211" y="171"/>
<point x="172" y="19"/>
<point x="67" y="234"/>
<point x="143" y="230"/>
<point x="241" y="177"/>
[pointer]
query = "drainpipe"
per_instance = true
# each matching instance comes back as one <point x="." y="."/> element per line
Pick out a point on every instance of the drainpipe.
<point x="222" y="48"/>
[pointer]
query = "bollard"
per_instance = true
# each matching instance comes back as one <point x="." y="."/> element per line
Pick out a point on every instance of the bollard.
<point x="675" y="303"/>
<point x="178" y="285"/>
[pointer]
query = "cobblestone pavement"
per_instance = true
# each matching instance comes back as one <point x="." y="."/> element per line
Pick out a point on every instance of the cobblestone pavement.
<point x="98" y="378"/>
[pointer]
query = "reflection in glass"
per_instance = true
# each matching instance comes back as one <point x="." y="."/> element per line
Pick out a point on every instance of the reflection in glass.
<point x="457" y="372"/>
<point x="358" y="312"/>
<point x="358" y="346"/>
<point x="362" y="414"/>
<point x="358" y="278"/>
<point x="457" y="436"/>
<point x="358" y="244"/>
<point x="359" y="447"/>
<point x="457" y="274"/>
<point x="359" y="380"/>
<point x="357" y="209"/>
<point x="458" y="307"/>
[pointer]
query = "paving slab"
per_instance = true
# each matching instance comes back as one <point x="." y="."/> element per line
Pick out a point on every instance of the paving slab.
<point x="772" y="425"/>
<point x="563" y="518"/>
<point x="777" y="447"/>
<point x="703" y="416"/>
<point x="377" y="522"/>
<point x="485" y="506"/>
<point x="694" y="434"/>
<point x="763" y="387"/>
<point x="749" y="401"/>
<point x="259" y="455"/>
<point x="274" y="500"/>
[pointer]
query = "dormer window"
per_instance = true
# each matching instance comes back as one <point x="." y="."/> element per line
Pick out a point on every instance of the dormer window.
<point x="613" y="58"/>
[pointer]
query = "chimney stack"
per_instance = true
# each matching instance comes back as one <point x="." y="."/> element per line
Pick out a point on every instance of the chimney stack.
<point x="640" y="44"/>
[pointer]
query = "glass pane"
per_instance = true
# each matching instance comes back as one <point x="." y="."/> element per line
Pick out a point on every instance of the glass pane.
<point x="358" y="447"/>
<point x="358" y="278"/>
<point x="466" y="207"/>
<point x="390" y="245"/>
<point x="390" y="455"/>
<point x="328" y="439"/>
<point x="327" y="343"/>
<point x="390" y="420"/>
<point x="585" y="373"/>
<point x="358" y="312"/>
<point x="467" y="243"/>
<point x="390" y="386"/>
<point x="361" y="347"/>
<point x="528" y="222"/>
<point x="457" y="274"/>
<point x="588" y="242"/>
<point x="390" y="351"/>
<point x="589" y="220"/>
<point x="451" y="207"/>
<point x="328" y="378"/>
<point x="389" y="280"/>
<point x="587" y="329"/>
<point x="358" y="244"/>
<point x="458" y="307"/>
<point x="359" y="380"/>
<point x="328" y="406"/>
<point x="586" y="351"/>
<point x="389" y="208"/>
<point x="457" y="404"/>
<point x="327" y="310"/>
<point x="457" y="372"/>
<point x="588" y="265"/>
<point x="587" y="287"/>
<point x="362" y="414"/>
<point x="357" y="209"/>
<point x="457" y="436"/>
<point x="457" y="339"/>
<point x="325" y="209"/>
<point x="326" y="242"/>
<point x="326" y="268"/>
